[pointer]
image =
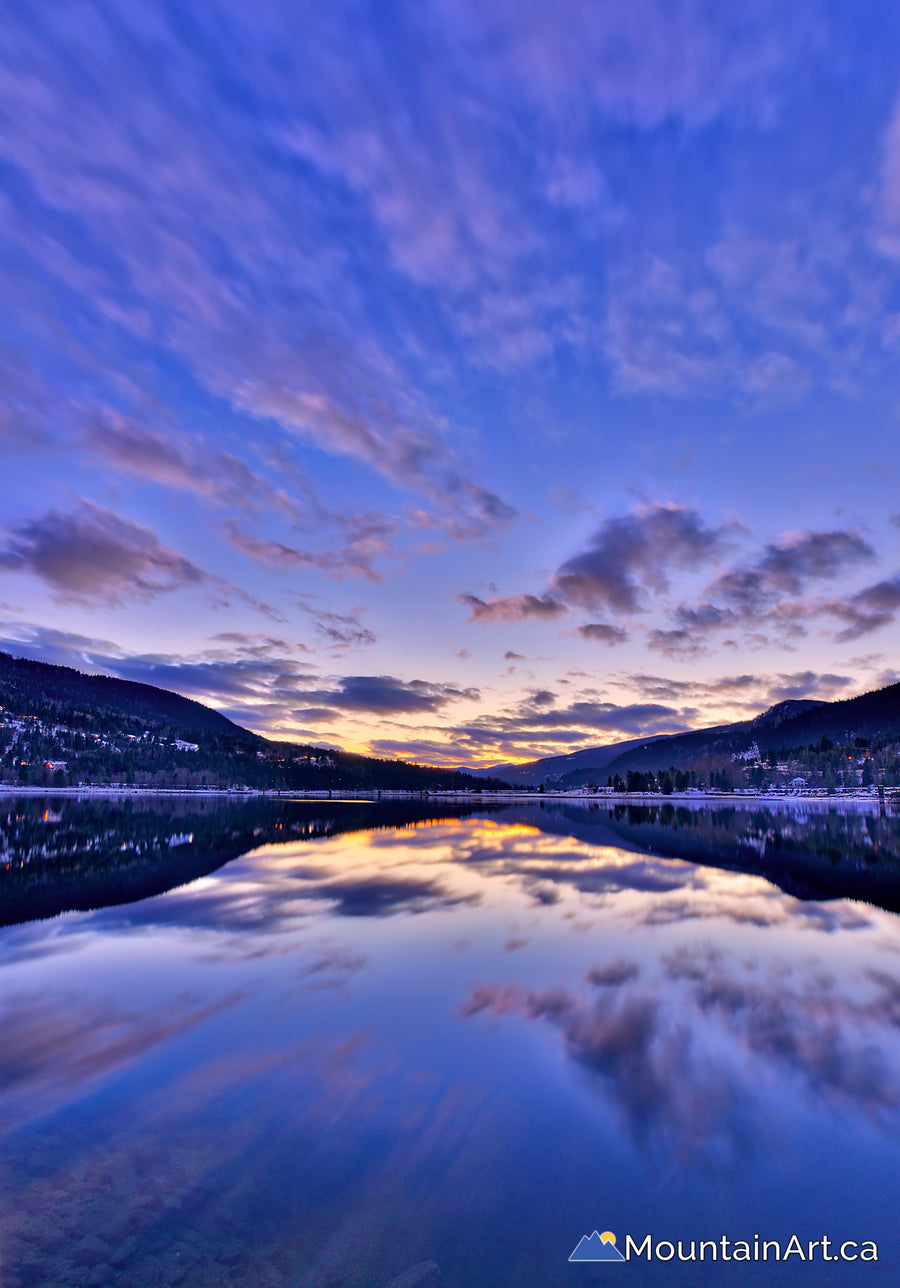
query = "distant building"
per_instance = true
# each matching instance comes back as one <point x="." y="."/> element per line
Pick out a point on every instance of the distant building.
<point x="186" y="746"/>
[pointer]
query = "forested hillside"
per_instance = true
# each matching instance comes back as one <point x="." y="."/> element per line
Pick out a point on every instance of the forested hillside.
<point x="61" y="728"/>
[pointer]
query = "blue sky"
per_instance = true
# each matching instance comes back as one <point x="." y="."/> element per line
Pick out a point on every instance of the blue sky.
<point x="468" y="381"/>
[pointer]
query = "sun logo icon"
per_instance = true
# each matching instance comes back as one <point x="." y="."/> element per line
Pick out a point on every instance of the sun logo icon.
<point x="597" y="1247"/>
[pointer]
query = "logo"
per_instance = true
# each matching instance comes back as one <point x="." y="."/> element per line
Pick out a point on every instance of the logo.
<point x="597" y="1247"/>
<point x="602" y="1247"/>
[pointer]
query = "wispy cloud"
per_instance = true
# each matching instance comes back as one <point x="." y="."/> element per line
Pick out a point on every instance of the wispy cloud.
<point x="787" y="565"/>
<point x="93" y="556"/>
<point x="341" y="630"/>
<point x="760" y="313"/>
<point x="513" y="608"/>
<point x="187" y="215"/>
<point x="627" y="556"/>
<point x="770" y="593"/>
<point x="696" y="65"/>
<point x="868" y="610"/>
<point x="354" y="559"/>
<point x="634" y="552"/>
<point x="603" y="633"/>
<point x="195" y="467"/>
<point x="538" y="725"/>
<point x="749" y="693"/>
<point x="388" y="694"/>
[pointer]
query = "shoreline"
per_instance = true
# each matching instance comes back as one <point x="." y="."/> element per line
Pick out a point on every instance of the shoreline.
<point x="861" y="800"/>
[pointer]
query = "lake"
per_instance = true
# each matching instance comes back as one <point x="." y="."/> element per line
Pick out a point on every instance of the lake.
<point x="311" y="1044"/>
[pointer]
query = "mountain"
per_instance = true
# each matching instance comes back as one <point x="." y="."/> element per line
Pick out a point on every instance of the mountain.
<point x="59" y="727"/>
<point x="869" y="715"/>
<point x="49" y="692"/>
<point x="787" y="725"/>
<point x="785" y="711"/>
<point x="794" y="723"/>
<point x="552" y="769"/>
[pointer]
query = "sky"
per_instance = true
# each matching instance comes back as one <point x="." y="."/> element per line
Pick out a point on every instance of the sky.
<point x="467" y="380"/>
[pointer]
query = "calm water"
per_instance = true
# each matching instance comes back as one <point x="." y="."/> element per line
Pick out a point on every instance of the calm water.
<point x="353" y="1038"/>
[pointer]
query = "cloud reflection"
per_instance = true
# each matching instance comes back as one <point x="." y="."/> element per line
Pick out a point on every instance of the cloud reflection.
<point x="274" y="904"/>
<point x="643" y="1061"/>
<point x="44" y="1035"/>
<point x="684" y="1057"/>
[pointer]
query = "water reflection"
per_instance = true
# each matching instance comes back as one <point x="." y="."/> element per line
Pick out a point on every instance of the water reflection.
<point x="347" y="1050"/>
<point x="683" y="1056"/>
<point x="64" y="855"/>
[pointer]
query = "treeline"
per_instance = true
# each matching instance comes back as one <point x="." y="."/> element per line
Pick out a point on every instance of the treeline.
<point x="833" y="765"/>
<point x="670" y="780"/>
<point x="826" y="765"/>
<point x="220" y="762"/>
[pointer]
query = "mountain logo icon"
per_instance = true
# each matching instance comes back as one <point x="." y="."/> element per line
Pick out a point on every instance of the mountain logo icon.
<point x="597" y="1247"/>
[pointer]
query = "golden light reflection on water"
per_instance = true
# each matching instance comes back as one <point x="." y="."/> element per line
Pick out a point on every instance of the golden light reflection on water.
<point x="462" y="860"/>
